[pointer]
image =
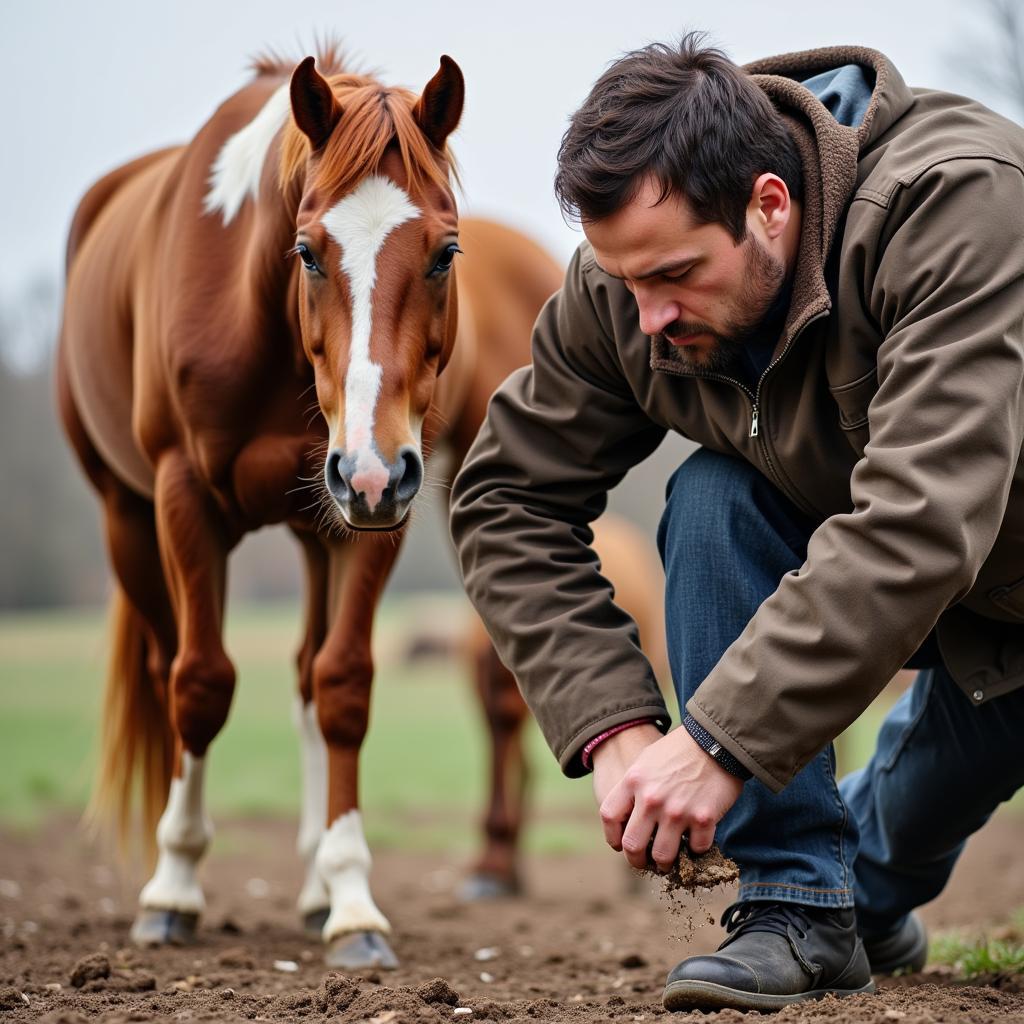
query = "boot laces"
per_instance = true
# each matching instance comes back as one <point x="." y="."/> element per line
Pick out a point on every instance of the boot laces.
<point x="763" y="916"/>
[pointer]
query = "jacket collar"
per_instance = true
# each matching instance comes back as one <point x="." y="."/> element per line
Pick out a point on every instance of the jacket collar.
<point x="829" y="152"/>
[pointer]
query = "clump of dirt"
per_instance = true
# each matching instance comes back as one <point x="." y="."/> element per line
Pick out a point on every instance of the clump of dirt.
<point x="93" y="967"/>
<point x="695" y="871"/>
<point x="335" y="994"/>
<point x="406" y="1006"/>
<point x="693" y="874"/>
<point x="438" y="991"/>
<point x="11" y="998"/>
<point x="122" y="981"/>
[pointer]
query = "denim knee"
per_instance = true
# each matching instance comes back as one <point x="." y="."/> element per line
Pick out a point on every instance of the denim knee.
<point x="704" y="499"/>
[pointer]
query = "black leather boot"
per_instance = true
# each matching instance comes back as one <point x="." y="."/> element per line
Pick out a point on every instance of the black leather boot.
<point x="902" y="949"/>
<point x="774" y="954"/>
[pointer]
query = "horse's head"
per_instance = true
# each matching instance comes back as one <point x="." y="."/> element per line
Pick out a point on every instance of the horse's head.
<point x="376" y="234"/>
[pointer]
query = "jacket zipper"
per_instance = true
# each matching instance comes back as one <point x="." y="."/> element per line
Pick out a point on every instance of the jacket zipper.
<point x="754" y="397"/>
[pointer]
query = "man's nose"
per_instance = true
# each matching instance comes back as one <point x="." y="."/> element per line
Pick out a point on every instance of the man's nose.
<point x="656" y="313"/>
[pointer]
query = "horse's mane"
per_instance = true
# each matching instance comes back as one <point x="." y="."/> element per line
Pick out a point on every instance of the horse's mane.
<point x="330" y="59"/>
<point x="374" y="116"/>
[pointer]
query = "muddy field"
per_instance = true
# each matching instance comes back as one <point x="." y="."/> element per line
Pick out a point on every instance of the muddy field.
<point x="586" y="945"/>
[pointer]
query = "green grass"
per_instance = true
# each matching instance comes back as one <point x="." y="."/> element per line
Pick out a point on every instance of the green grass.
<point x="422" y="768"/>
<point x="975" y="956"/>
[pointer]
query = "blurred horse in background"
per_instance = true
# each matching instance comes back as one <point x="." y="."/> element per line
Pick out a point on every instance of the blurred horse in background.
<point x="631" y="564"/>
<point x="303" y="242"/>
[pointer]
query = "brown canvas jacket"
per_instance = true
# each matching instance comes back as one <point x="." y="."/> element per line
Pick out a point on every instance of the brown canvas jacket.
<point x="892" y="410"/>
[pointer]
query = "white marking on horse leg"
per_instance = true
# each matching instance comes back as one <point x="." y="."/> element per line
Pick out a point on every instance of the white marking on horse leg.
<point x="313" y="817"/>
<point x="343" y="861"/>
<point x="236" y="172"/>
<point x="360" y="224"/>
<point x="182" y="836"/>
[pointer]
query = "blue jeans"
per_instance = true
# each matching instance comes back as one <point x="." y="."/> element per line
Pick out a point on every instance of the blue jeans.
<point x="885" y="839"/>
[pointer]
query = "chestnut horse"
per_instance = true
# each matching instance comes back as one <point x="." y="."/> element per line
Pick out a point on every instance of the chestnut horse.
<point x="303" y="241"/>
<point x="630" y="563"/>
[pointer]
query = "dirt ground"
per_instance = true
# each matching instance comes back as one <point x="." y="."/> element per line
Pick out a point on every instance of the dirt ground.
<point x="584" y="946"/>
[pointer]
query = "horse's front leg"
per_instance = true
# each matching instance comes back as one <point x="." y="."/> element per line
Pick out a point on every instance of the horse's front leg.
<point x="314" y="900"/>
<point x="355" y="929"/>
<point x="194" y="547"/>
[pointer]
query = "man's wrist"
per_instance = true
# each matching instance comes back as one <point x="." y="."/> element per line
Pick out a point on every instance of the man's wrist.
<point x="586" y="757"/>
<point x="722" y="757"/>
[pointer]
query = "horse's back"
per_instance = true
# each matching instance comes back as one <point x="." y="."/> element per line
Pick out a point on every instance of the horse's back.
<point x="509" y="278"/>
<point x="100" y="194"/>
<point x="107" y="245"/>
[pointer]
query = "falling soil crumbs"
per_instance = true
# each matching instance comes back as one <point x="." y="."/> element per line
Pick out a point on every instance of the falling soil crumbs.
<point x="693" y="875"/>
<point x="585" y="945"/>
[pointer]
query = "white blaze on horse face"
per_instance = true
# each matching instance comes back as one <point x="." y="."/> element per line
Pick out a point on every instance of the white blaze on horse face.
<point x="182" y="837"/>
<point x="360" y="224"/>
<point x="343" y="861"/>
<point x="313" y="818"/>
<point x="238" y="168"/>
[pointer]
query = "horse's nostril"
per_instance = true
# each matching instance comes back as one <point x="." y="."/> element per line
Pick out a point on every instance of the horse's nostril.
<point x="409" y="473"/>
<point x="337" y="483"/>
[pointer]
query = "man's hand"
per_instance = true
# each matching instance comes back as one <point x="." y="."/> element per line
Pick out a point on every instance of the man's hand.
<point x="664" y="786"/>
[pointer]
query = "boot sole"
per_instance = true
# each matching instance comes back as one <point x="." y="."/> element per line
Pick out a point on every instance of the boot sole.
<point x="704" y="995"/>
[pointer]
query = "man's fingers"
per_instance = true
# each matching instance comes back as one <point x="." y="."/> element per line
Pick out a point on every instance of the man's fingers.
<point x="701" y="838"/>
<point x="615" y="812"/>
<point x="667" y="841"/>
<point x="636" y="838"/>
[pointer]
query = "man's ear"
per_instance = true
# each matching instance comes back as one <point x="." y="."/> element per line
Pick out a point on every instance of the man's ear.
<point x="438" y="110"/>
<point x="314" y="107"/>
<point x="770" y="200"/>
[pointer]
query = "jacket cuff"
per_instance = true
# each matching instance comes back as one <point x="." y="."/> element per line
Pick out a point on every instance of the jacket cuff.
<point x="745" y="758"/>
<point x="570" y="759"/>
<point x="715" y="750"/>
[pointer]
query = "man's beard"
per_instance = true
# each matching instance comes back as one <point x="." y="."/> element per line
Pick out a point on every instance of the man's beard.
<point x="761" y="306"/>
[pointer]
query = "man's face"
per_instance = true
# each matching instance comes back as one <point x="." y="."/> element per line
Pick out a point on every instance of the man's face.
<point x="693" y="284"/>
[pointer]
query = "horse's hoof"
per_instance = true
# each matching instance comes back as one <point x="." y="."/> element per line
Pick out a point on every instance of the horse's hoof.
<point x="356" y="951"/>
<point x="313" y="922"/>
<point x="157" y="927"/>
<point x="481" y="887"/>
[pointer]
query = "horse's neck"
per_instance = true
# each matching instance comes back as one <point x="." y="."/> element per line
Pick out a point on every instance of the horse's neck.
<point x="273" y="275"/>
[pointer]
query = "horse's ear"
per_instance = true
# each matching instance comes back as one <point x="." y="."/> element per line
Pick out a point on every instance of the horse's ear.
<point x="314" y="107"/>
<point x="438" y="110"/>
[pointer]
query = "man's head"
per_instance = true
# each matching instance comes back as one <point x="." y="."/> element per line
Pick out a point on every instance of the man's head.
<point x="687" y="185"/>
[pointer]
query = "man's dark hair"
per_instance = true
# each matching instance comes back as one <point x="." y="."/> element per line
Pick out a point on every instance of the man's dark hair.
<point x="688" y="116"/>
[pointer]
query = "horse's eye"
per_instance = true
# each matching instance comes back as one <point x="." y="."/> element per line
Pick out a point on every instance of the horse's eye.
<point x="444" y="261"/>
<point x="308" y="259"/>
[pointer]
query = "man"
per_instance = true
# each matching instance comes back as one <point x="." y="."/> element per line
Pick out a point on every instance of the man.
<point x="817" y="274"/>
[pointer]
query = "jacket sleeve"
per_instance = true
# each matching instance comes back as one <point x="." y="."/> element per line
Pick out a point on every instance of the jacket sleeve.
<point x="558" y="436"/>
<point x="929" y="495"/>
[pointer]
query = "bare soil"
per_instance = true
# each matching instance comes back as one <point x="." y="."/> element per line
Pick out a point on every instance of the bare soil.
<point x="589" y="943"/>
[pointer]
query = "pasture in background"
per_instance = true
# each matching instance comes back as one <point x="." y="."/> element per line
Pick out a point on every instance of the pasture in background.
<point x="424" y="763"/>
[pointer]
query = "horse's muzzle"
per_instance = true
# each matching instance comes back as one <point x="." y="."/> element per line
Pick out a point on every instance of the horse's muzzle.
<point x="371" y="493"/>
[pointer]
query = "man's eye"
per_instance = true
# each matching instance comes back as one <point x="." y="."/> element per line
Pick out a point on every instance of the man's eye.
<point x="308" y="259"/>
<point x="444" y="262"/>
<point x="678" y="276"/>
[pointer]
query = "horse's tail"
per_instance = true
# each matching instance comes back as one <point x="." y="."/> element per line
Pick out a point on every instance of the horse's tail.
<point x="135" y="735"/>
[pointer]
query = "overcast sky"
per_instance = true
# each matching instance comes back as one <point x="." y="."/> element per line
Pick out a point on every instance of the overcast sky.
<point x="87" y="85"/>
